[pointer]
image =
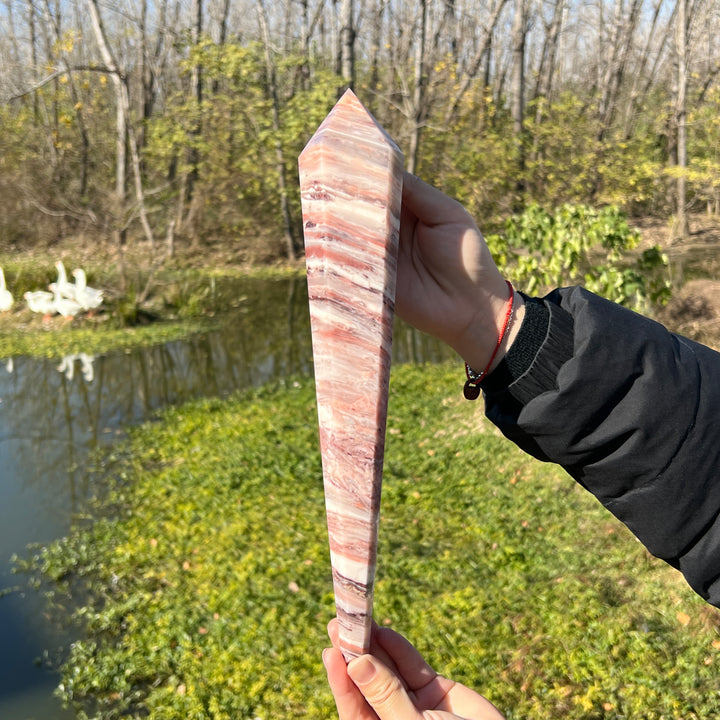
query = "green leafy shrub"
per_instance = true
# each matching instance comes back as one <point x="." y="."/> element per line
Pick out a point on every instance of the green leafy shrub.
<point x="578" y="244"/>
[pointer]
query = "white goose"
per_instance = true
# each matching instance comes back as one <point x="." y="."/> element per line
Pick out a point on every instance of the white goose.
<point x="67" y="366"/>
<point x="88" y="297"/>
<point x="63" y="288"/>
<point x="40" y="302"/>
<point x="6" y="298"/>
<point x="86" y="366"/>
<point x="65" y="306"/>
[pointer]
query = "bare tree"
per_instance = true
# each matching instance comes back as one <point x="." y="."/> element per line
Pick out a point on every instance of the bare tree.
<point x="417" y="108"/>
<point x="517" y="91"/>
<point x="681" y="229"/>
<point x="190" y="178"/>
<point x="54" y="25"/>
<point x="619" y="47"/>
<point x="125" y="135"/>
<point x="346" y="68"/>
<point x="272" y="92"/>
<point x="375" y="40"/>
<point x="548" y="55"/>
<point x="482" y="53"/>
<point x="642" y="77"/>
<point x="33" y="54"/>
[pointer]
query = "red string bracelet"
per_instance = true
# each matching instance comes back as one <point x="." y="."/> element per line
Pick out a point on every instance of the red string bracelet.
<point x="471" y="390"/>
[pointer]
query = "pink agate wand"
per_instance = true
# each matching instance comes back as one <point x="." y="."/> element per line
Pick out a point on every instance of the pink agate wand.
<point x="351" y="188"/>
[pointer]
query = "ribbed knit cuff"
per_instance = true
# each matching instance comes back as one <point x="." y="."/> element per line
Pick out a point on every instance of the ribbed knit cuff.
<point x="543" y="344"/>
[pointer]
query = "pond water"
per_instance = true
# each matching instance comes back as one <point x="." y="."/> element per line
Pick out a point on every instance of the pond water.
<point x="54" y="413"/>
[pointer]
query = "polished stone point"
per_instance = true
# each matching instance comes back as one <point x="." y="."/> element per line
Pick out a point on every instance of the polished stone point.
<point x="351" y="188"/>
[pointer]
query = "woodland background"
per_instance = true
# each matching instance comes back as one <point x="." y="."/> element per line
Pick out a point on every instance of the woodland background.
<point x="181" y="120"/>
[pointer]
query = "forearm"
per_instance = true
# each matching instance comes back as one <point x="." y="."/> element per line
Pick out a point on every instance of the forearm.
<point x="630" y="411"/>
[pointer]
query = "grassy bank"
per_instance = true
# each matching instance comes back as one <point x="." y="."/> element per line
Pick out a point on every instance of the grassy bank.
<point x="206" y="591"/>
<point x="180" y="301"/>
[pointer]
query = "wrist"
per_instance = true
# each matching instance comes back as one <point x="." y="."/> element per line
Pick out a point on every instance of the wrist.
<point x="480" y="339"/>
<point x="505" y="337"/>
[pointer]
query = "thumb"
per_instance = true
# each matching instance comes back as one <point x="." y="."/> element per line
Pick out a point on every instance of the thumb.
<point x="382" y="689"/>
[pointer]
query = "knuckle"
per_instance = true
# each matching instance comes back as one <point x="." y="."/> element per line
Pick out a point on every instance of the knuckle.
<point x="384" y="691"/>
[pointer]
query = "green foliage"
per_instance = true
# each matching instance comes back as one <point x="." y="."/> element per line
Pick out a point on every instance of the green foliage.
<point x="475" y="160"/>
<point x="46" y="155"/>
<point x="204" y="583"/>
<point x="57" y="176"/>
<point x="704" y="166"/>
<point x="578" y="244"/>
<point x="631" y="174"/>
<point x="568" y="163"/>
<point x="232" y="135"/>
<point x="562" y="157"/>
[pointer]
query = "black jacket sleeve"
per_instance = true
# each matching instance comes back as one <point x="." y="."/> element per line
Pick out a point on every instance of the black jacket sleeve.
<point x="631" y="411"/>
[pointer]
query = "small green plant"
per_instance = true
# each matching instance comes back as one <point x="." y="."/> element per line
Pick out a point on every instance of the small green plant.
<point x="578" y="244"/>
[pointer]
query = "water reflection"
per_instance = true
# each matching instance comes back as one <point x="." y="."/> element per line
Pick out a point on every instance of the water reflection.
<point x="52" y="414"/>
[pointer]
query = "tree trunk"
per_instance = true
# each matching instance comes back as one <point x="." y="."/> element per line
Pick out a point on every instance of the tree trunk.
<point x="124" y="135"/>
<point x="545" y="73"/>
<point x="483" y="53"/>
<point x="376" y="39"/>
<point x="636" y="93"/>
<point x="222" y="33"/>
<point x="680" y="228"/>
<point x="621" y="46"/>
<point x="517" y="94"/>
<point x="146" y="72"/>
<point x="417" y="109"/>
<point x="197" y="90"/>
<point x="451" y="20"/>
<point x="53" y="23"/>
<point x="280" y="160"/>
<point x="33" y="58"/>
<point x="347" y="44"/>
<point x="304" y="69"/>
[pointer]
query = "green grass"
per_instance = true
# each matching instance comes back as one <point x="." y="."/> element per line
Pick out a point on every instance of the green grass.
<point x="56" y="341"/>
<point x="206" y="590"/>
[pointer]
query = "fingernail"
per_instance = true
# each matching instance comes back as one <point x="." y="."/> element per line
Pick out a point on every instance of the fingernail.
<point x="362" y="669"/>
<point x="324" y="655"/>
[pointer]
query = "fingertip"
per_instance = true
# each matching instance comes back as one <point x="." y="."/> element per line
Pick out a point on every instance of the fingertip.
<point x="362" y="669"/>
<point x="333" y="631"/>
<point x="348" y="698"/>
<point x="335" y="665"/>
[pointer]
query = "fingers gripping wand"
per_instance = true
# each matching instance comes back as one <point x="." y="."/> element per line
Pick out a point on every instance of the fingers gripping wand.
<point x="351" y="189"/>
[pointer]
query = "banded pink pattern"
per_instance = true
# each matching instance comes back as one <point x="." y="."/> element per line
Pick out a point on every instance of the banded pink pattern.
<point x="351" y="189"/>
